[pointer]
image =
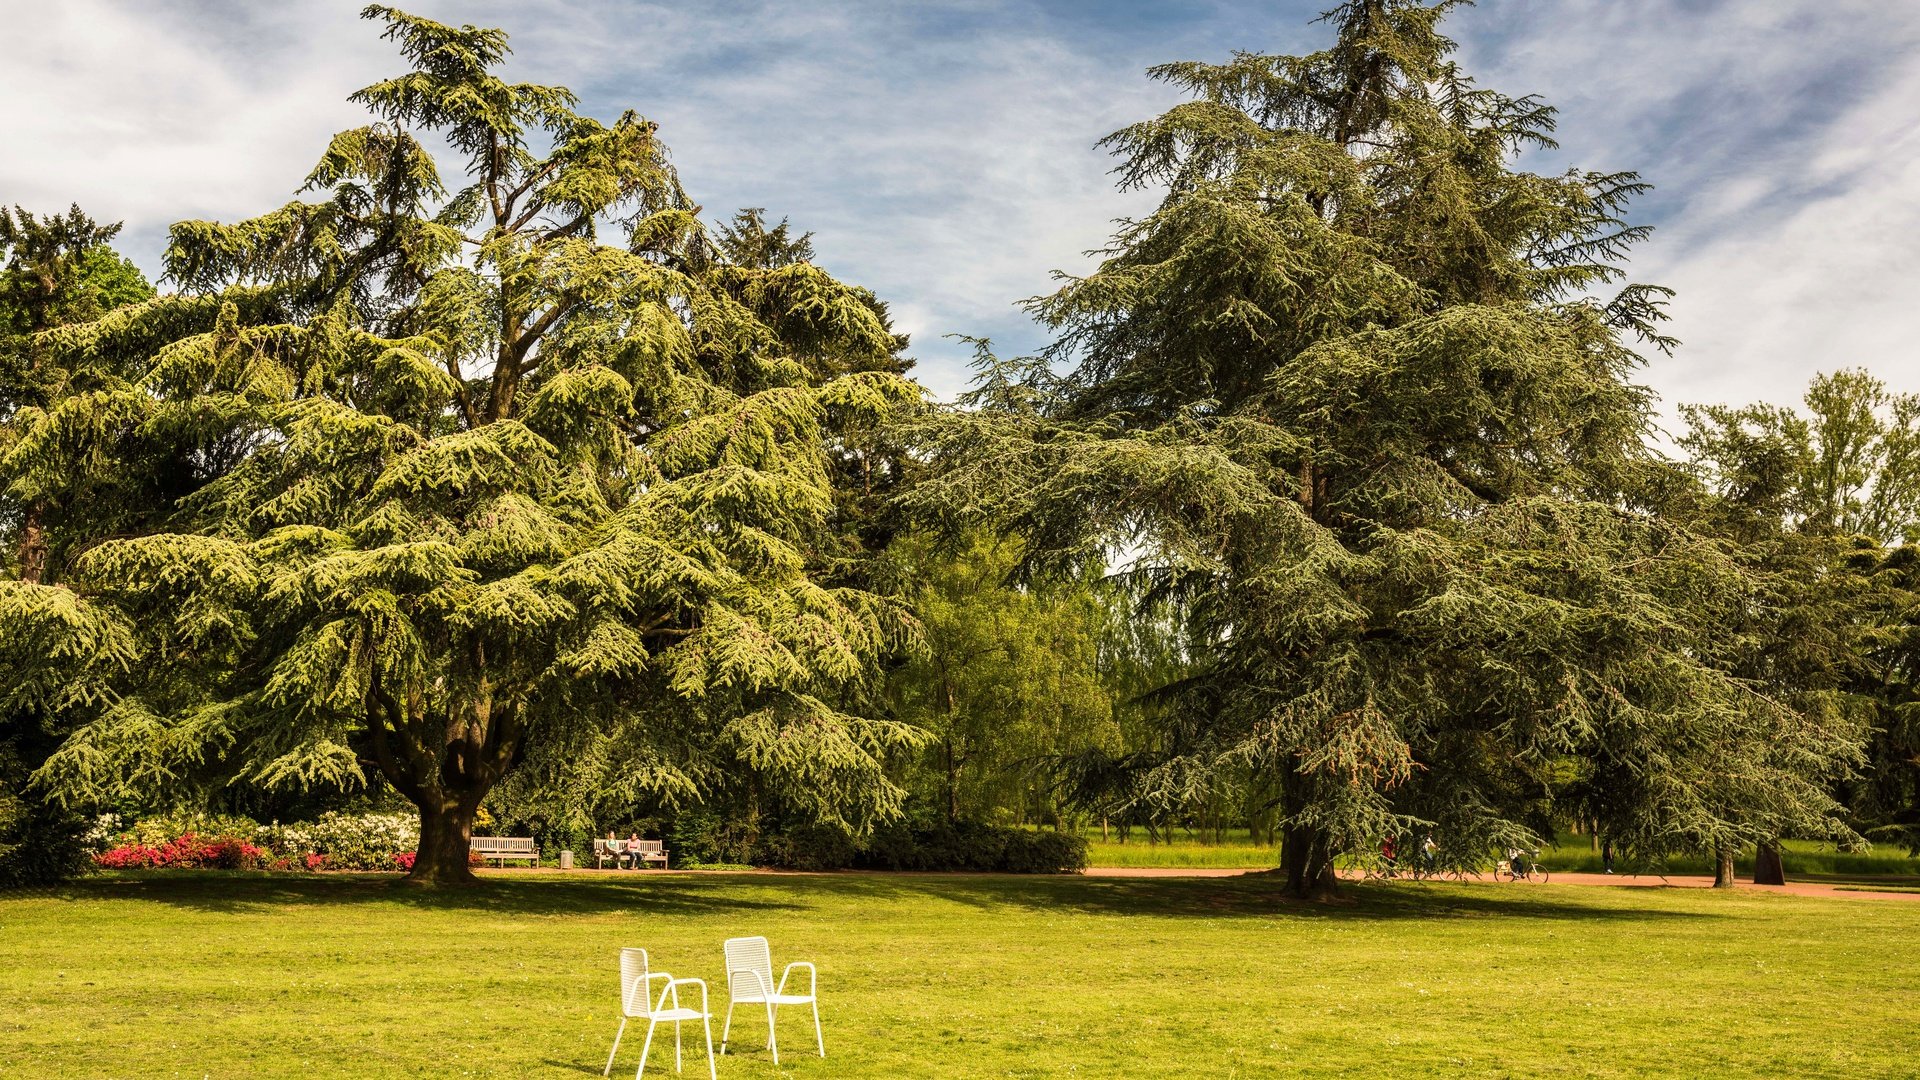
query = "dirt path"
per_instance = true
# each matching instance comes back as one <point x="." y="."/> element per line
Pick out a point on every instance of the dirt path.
<point x="1674" y="881"/>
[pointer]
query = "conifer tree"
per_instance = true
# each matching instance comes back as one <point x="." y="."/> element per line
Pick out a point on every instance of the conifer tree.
<point x="1347" y="399"/>
<point x="514" y="470"/>
<point x="57" y="269"/>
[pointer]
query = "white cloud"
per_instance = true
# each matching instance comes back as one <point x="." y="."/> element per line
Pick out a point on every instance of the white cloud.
<point x="942" y="152"/>
<point x="1782" y="141"/>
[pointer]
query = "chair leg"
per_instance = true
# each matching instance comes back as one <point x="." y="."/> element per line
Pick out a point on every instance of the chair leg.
<point x="644" y="1048"/>
<point x="771" y="1044"/>
<point x="819" y="1039"/>
<point x="707" y="1023"/>
<point x="608" y="1071"/>
<point x="726" y="1027"/>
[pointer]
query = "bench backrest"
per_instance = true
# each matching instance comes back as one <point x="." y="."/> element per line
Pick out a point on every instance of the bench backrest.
<point x="654" y="847"/>
<point x="502" y="843"/>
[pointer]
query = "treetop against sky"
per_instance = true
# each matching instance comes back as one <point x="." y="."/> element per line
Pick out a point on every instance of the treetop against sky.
<point x="943" y="152"/>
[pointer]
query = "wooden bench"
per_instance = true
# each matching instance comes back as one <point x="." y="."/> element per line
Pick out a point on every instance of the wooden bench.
<point x="503" y="848"/>
<point x="601" y="853"/>
<point x="642" y="851"/>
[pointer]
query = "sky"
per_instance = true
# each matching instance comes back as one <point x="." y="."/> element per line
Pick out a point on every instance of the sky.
<point x="942" y="152"/>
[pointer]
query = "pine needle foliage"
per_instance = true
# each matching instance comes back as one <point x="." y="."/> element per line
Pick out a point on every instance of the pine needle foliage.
<point x="514" y="469"/>
<point x="1351" y="401"/>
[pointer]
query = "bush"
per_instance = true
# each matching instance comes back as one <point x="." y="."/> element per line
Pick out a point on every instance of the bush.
<point x="336" y="841"/>
<point x="809" y="847"/>
<point x="40" y="843"/>
<point x="1045" y="852"/>
<point x="349" y="841"/>
<point x="187" y="851"/>
<point x="966" y="845"/>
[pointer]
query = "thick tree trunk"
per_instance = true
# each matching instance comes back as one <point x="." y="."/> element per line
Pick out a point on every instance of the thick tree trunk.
<point x="1723" y="868"/>
<point x="1767" y="869"/>
<point x="1306" y="857"/>
<point x="446" y="832"/>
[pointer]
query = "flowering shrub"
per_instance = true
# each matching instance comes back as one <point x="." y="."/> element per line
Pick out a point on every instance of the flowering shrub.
<point x="336" y="841"/>
<point x="350" y="841"/>
<point x="185" y="851"/>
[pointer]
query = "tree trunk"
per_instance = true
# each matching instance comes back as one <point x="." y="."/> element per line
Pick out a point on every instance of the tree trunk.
<point x="1767" y="869"/>
<point x="1305" y="855"/>
<point x="446" y="832"/>
<point x="1723" y="868"/>
<point x="33" y="544"/>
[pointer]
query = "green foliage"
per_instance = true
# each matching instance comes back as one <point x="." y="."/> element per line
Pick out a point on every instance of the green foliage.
<point x="1828" y="501"/>
<point x="40" y="843"/>
<point x="562" y="506"/>
<point x="1008" y="679"/>
<point x="1345" y="402"/>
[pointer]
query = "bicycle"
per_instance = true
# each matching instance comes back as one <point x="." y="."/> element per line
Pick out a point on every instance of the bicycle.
<point x="1521" y="866"/>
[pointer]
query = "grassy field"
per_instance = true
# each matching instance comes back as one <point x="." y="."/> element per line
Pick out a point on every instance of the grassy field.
<point x="337" y="975"/>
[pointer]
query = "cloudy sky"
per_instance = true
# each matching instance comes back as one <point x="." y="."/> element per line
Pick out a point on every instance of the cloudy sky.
<point x="942" y="151"/>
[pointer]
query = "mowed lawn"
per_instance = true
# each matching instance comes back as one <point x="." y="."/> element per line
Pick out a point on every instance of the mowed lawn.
<point x="210" y="975"/>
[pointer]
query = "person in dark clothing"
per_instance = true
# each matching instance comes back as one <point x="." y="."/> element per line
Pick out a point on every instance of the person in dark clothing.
<point x="1606" y="855"/>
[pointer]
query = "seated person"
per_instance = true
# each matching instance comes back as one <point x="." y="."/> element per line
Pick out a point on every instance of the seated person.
<point x="617" y="848"/>
<point x="633" y="850"/>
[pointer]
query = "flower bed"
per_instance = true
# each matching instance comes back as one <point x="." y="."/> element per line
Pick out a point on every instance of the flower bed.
<point x="185" y="851"/>
<point x="335" y="841"/>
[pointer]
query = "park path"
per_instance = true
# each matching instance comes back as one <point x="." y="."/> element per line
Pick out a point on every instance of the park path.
<point x="1674" y="881"/>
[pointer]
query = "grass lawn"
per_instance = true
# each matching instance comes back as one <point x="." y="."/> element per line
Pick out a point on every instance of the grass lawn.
<point x="196" y="975"/>
<point x="1802" y="858"/>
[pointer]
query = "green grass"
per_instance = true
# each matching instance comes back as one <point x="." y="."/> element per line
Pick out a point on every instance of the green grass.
<point x="1802" y="858"/>
<point x="1237" y="851"/>
<point x="196" y="975"/>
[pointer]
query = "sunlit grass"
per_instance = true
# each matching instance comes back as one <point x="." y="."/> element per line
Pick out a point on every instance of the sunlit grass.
<point x="955" y="975"/>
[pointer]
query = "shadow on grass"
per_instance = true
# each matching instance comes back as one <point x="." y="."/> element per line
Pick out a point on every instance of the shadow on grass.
<point x="231" y="892"/>
<point x="1250" y="897"/>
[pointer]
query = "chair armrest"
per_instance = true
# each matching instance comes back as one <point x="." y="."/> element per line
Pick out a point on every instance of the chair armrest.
<point x="813" y="977"/>
<point x="765" y="991"/>
<point x="701" y="983"/>
<point x="645" y="989"/>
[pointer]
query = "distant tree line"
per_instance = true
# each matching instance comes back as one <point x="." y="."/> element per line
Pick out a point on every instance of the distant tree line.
<point x="1333" y="510"/>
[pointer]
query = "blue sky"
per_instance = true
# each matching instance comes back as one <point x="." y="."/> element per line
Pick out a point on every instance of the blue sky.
<point x="942" y="152"/>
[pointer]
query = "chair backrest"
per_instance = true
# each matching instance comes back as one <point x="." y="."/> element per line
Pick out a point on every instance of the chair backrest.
<point x="633" y="972"/>
<point x="749" y="954"/>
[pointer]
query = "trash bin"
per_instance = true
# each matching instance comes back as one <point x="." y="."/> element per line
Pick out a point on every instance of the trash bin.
<point x="566" y="860"/>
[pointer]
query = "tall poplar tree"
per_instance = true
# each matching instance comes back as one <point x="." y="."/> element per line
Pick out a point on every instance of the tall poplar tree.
<point x="515" y="468"/>
<point x="1348" y="400"/>
<point x="1826" y="499"/>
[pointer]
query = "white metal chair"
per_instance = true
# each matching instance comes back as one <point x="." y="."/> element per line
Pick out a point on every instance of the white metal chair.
<point x="637" y="1003"/>
<point x="750" y="982"/>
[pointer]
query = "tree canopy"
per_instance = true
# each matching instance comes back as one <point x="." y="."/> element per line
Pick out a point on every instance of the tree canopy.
<point x="1348" y="397"/>
<point x="519" y="469"/>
